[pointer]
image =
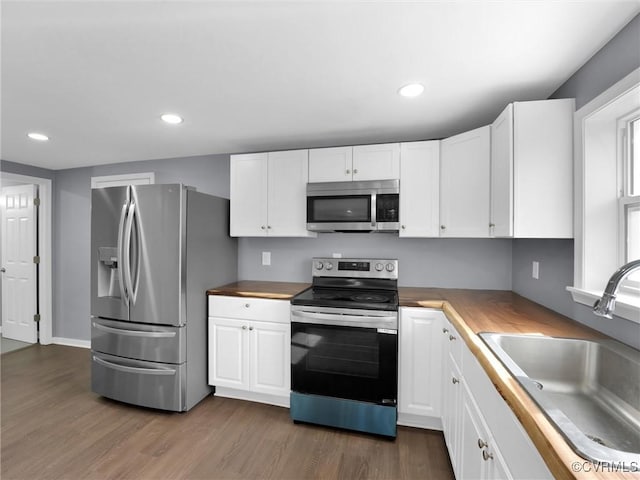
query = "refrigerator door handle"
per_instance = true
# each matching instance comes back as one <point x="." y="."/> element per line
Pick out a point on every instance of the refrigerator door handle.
<point x="136" y="280"/>
<point x="127" y="250"/>
<point x="121" y="256"/>
<point x="127" y="369"/>
<point x="134" y="333"/>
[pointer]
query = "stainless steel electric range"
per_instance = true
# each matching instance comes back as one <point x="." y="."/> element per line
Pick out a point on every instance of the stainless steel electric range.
<point x="344" y="346"/>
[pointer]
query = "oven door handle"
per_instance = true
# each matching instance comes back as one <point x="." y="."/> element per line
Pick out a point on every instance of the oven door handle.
<point x="389" y="322"/>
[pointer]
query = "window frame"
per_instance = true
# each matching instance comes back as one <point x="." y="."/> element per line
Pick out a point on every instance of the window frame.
<point x="599" y="173"/>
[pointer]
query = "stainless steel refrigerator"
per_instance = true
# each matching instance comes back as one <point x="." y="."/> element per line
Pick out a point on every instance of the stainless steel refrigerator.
<point x="155" y="250"/>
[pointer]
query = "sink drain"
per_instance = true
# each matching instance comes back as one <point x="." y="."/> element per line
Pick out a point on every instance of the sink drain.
<point x="598" y="440"/>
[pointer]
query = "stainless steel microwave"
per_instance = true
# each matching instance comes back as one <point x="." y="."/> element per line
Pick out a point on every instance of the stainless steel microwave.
<point x="369" y="206"/>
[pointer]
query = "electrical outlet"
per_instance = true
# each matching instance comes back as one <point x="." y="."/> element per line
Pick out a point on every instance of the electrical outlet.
<point x="535" y="270"/>
<point x="266" y="258"/>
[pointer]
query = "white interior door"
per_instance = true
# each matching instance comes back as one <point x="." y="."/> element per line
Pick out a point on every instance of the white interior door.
<point x="19" y="240"/>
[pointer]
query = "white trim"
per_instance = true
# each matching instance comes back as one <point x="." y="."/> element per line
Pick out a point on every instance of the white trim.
<point x="72" y="342"/>
<point x="146" y="178"/>
<point x="44" y="247"/>
<point x="597" y="257"/>
<point x="627" y="306"/>
<point x="252" y="396"/>
<point x="419" y="421"/>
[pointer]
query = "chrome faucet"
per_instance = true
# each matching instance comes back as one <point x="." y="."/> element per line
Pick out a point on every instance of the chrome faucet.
<point x="605" y="305"/>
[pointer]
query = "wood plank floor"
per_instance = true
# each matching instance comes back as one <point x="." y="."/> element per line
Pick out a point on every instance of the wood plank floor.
<point x="53" y="426"/>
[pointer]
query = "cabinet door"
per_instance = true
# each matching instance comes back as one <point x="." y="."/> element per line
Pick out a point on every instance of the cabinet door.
<point x="270" y="357"/>
<point x="376" y="162"/>
<point x="330" y="164"/>
<point x="420" y="189"/>
<point x="228" y="355"/>
<point x="502" y="174"/>
<point x="543" y="169"/>
<point x="248" y="189"/>
<point x="464" y="186"/>
<point x="451" y="412"/>
<point x="288" y="173"/>
<point x="420" y="361"/>
<point x="474" y="439"/>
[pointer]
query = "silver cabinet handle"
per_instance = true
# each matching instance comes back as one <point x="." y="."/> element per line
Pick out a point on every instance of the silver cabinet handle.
<point x="442" y="227"/>
<point x="348" y="171"/>
<point x="445" y="330"/>
<point x="487" y="456"/>
<point x="482" y="444"/>
<point x="454" y="380"/>
<point x="355" y="170"/>
<point x="247" y="305"/>
<point x="451" y="338"/>
<point x="2" y="270"/>
<point x="262" y="227"/>
<point x="403" y="227"/>
<point x="269" y="227"/>
<point x="244" y="327"/>
<point x="491" y="225"/>
<point x="250" y="328"/>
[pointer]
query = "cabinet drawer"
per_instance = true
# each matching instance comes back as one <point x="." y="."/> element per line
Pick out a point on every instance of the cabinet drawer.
<point x="249" y="308"/>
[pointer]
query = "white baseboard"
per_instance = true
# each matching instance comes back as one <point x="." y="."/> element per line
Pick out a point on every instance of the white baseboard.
<point x="419" y="421"/>
<point x="71" y="342"/>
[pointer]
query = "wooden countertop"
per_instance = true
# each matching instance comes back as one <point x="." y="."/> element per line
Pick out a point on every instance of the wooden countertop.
<point x="259" y="289"/>
<point x="472" y="312"/>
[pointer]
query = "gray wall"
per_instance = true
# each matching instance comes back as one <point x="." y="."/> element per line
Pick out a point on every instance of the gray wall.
<point x="614" y="61"/>
<point x="209" y="174"/>
<point x="446" y="263"/>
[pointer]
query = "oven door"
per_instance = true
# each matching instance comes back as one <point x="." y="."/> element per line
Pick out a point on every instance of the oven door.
<point x="345" y="356"/>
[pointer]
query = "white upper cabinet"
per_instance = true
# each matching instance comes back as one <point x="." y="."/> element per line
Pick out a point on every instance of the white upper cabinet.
<point x="464" y="184"/>
<point x="330" y="164"/>
<point x="268" y="194"/>
<point x="248" y="191"/>
<point x="420" y="189"/>
<point x="363" y="162"/>
<point x="532" y="170"/>
<point x="376" y="162"/>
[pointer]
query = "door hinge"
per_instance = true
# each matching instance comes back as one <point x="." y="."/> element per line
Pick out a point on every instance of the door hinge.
<point x="36" y="259"/>
<point x="36" y="202"/>
<point x="36" y="317"/>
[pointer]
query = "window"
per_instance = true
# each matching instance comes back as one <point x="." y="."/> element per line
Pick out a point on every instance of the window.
<point x="607" y="194"/>
<point x="629" y="202"/>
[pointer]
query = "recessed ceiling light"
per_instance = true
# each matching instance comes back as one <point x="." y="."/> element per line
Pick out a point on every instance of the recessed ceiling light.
<point x="37" y="136"/>
<point x="171" y="118"/>
<point x="411" y="90"/>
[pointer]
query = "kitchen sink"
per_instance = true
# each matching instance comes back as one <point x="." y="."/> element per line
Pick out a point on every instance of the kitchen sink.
<point x="589" y="389"/>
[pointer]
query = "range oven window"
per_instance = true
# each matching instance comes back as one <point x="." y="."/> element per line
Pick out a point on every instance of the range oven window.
<point x="345" y="209"/>
<point x="344" y="362"/>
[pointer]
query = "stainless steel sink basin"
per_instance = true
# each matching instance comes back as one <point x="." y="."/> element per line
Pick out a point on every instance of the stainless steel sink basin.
<point x="590" y="390"/>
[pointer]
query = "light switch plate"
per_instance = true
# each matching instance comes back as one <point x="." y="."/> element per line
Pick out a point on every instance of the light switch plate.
<point x="266" y="258"/>
<point x="535" y="270"/>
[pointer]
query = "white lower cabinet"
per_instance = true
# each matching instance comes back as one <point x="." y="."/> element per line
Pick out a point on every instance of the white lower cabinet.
<point x="484" y="438"/>
<point x="420" y="370"/>
<point x="249" y="349"/>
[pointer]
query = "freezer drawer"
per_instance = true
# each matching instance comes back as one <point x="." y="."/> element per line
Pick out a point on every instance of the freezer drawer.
<point x="147" y="384"/>
<point x="153" y="343"/>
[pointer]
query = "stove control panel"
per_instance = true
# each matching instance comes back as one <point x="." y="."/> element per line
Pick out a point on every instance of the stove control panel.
<point x="355" y="268"/>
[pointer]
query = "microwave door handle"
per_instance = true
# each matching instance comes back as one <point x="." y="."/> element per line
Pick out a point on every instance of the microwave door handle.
<point x="374" y="206"/>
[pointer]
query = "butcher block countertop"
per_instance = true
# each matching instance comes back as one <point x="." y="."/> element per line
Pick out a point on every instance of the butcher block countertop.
<point x="257" y="289"/>
<point x="472" y="312"/>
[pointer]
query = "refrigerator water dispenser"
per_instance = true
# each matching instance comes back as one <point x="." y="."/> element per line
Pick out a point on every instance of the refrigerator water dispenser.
<point x="108" y="280"/>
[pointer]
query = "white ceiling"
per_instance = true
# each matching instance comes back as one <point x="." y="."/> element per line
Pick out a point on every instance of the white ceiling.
<point x="266" y="75"/>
